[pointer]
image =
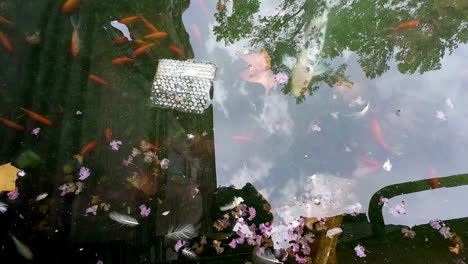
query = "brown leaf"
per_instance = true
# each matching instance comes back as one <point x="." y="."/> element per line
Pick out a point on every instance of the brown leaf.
<point x="310" y="222"/>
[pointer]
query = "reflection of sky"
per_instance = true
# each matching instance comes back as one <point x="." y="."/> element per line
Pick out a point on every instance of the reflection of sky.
<point x="284" y="153"/>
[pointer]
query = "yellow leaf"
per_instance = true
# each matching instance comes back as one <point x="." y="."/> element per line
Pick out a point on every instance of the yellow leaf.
<point x="8" y="175"/>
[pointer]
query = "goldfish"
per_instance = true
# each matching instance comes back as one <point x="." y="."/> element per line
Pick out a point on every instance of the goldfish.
<point x="98" y="80"/>
<point x="176" y="51"/>
<point x="368" y="161"/>
<point x="143" y="49"/>
<point x="242" y="138"/>
<point x="408" y="25"/>
<point x="151" y="146"/>
<point x="108" y="134"/>
<point x="70" y="6"/>
<point x="6" y="21"/>
<point x="6" y="42"/>
<point x="203" y="7"/>
<point x="75" y="44"/>
<point x="196" y="32"/>
<point x="88" y="148"/>
<point x="156" y="35"/>
<point x="11" y="124"/>
<point x="128" y="20"/>
<point x="40" y="118"/>
<point x="122" y="60"/>
<point x="405" y="26"/>
<point x="140" y="42"/>
<point x="149" y="25"/>
<point x="378" y="134"/>
<point x="434" y="180"/>
<point x="122" y="40"/>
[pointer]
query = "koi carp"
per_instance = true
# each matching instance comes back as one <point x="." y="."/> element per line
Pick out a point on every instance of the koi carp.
<point x="88" y="148"/>
<point x="143" y="49"/>
<point x="98" y="80"/>
<point x="40" y="118"/>
<point x="11" y="124"/>
<point x="6" y="42"/>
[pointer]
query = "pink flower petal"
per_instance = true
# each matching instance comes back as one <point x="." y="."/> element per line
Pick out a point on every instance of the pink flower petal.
<point x="233" y="244"/>
<point x="13" y="195"/>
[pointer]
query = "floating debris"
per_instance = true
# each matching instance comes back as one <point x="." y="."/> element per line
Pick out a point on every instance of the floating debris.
<point x="441" y="115"/>
<point x="183" y="232"/>
<point x="8" y="175"/>
<point x="387" y="166"/>
<point x="22" y="249"/>
<point x="36" y="131"/>
<point x="13" y="195"/>
<point x="84" y="173"/>
<point x="449" y="103"/>
<point x="123" y="219"/>
<point x="3" y="207"/>
<point x="335" y="115"/>
<point x="360" y="251"/>
<point x="164" y="164"/>
<point x="144" y="211"/>
<point x="407" y="232"/>
<point x="41" y="196"/>
<point x="166" y="213"/>
<point x="445" y="232"/>
<point x="22" y="173"/>
<point x="398" y="209"/>
<point x="383" y="200"/>
<point x="235" y="203"/>
<point x="435" y="224"/>
<point x="115" y="144"/>
<point x="91" y="210"/>
<point x="334" y="231"/>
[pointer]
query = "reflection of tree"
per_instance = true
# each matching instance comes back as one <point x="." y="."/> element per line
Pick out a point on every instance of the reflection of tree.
<point x="361" y="26"/>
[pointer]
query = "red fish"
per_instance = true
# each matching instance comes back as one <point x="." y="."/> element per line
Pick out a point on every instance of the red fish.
<point x="152" y="146"/>
<point x="108" y="134"/>
<point x="40" y="118"/>
<point x="176" y="51"/>
<point x="197" y="33"/>
<point x="128" y="20"/>
<point x="368" y="161"/>
<point x="149" y="25"/>
<point x="98" y="80"/>
<point x="143" y="49"/>
<point x="156" y="35"/>
<point x="6" y="42"/>
<point x="70" y="6"/>
<point x="11" y="124"/>
<point x="88" y="148"/>
<point x="203" y="7"/>
<point x="75" y="44"/>
<point x="408" y="25"/>
<point x="243" y="138"/>
<point x="122" y="60"/>
<point x="6" y="21"/>
<point x="122" y="40"/>
<point x="378" y="134"/>
<point x="434" y="180"/>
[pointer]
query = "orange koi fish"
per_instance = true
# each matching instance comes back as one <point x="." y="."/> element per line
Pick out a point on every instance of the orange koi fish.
<point x="434" y="180"/>
<point x="378" y="134"/>
<point x="176" y="51"/>
<point x="152" y="146"/>
<point x="108" y="134"/>
<point x="203" y="7"/>
<point x="98" y="80"/>
<point x="196" y="32"/>
<point x="149" y="25"/>
<point x="122" y="40"/>
<point x="6" y="42"/>
<point x="75" y="44"/>
<point x="122" y="60"/>
<point x="6" y="21"/>
<point x="70" y="6"/>
<point x="156" y="35"/>
<point x="39" y="118"/>
<point x="128" y="20"/>
<point x="88" y="148"/>
<point x="11" y="124"/>
<point x="408" y="25"/>
<point x="243" y="138"/>
<point x="140" y="42"/>
<point x="143" y="49"/>
<point x="368" y="161"/>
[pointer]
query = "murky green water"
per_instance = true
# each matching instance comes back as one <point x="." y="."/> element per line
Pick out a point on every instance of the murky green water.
<point x="372" y="105"/>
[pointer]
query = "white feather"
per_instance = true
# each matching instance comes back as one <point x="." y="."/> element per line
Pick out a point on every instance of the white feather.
<point x="123" y="219"/>
<point x="188" y="253"/>
<point x="236" y="202"/>
<point x="22" y="249"/>
<point x="3" y="207"/>
<point x="183" y="232"/>
<point x="265" y="259"/>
